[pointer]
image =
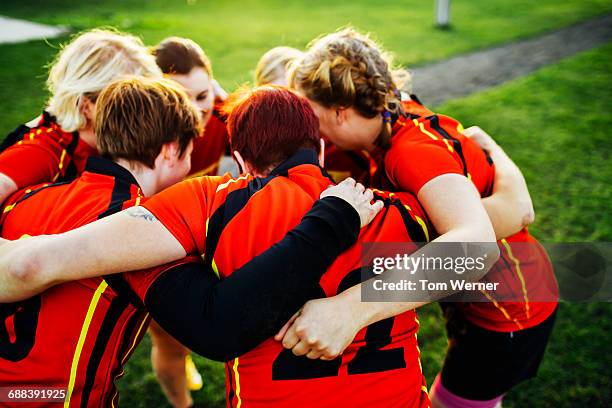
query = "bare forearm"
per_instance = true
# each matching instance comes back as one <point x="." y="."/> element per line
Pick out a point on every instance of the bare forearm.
<point x="126" y="241"/>
<point x="367" y="313"/>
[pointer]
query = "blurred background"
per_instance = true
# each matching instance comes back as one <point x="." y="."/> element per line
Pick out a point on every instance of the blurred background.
<point x="537" y="76"/>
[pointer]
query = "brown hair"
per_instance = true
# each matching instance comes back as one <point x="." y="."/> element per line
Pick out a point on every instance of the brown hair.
<point x="177" y="55"/>
<point x="267" y="125"/>
<point x="136" y="116"/>
<point x="348" y="69"/>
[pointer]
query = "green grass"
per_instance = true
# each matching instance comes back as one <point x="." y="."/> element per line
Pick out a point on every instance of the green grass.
<point x="236" y="36"/>
<point x="554" y="123"/>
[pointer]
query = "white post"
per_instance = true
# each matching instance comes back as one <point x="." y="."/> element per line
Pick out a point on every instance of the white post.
<point x="442" y="13"/>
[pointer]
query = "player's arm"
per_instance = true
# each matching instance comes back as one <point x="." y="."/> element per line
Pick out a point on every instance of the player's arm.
<point x="222" y="319"/>
<point x="325" y="327"/>
<point x="129" y="240"/>
<point x="509" y="206"/>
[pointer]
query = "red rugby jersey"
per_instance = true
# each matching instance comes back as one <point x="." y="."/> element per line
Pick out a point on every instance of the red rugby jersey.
<point x="210" y="146"/>
<point x="76" y="335"/>
<point x="426" y="145"/>
<point x="46" y="153"/>
<point x="380" y="368"/>
<point x="342" y="164"/>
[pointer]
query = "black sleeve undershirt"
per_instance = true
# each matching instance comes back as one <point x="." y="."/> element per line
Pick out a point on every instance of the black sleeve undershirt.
<point x="222" y="319"/>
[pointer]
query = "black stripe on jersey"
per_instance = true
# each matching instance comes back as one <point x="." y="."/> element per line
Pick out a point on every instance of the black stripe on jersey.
<point x="71" y="171"/>
<point x="435" y="125"/>
<point x="14" y="137"/>
<point x="238" y="199"/>
<point x="121" y="193"/>
<point x="412" y="226"/>
<point x="230" y="380"/>
<point x="414" y="229"/>
<point x="28" y="195"/>
<point x="235" y="201"/>
<point x="117" y="307"/>
<point x="128" y="337"/>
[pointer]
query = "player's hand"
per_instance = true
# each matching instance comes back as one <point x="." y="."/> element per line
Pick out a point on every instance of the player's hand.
<point x="358" y="197"/>
<point x="481" y="137"/>
<point x="322" y="329"/>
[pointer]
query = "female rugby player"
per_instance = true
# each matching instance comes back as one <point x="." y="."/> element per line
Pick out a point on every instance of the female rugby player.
<point x="350" y="85"/>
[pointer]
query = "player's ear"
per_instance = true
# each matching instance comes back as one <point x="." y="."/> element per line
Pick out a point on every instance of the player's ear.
<point x="341" y="115"/>
<point x="170" y="153"/>
<point x="322" y="153"/>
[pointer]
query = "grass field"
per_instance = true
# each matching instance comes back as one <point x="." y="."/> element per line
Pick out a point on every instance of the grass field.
<point x="235" y="37"/>
<point x="554" y="123"/>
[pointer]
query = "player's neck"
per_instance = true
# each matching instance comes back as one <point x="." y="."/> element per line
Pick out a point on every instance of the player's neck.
<point x="146" y="177"/>
<point x="87" y="135"/>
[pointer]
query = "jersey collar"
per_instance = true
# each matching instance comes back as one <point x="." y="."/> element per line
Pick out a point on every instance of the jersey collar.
<point x="302" y="156"/>
<point x="99" y="165"/>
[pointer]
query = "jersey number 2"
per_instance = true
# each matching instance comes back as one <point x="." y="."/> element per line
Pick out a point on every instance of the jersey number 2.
<point x="370" y="358"/>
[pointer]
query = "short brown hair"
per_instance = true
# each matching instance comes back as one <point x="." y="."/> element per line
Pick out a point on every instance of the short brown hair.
<point x="136" y="116"/>
<point x="177" y="55"/>
<point x="269" y="124"/>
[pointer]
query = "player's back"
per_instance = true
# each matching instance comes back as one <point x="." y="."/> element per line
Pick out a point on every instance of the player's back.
<point x="382" y="365"/>
<point x="524" y="267"/>
<point x="75" y="335"/>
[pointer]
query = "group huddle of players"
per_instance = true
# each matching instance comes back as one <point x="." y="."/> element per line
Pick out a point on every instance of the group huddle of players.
<point x="118" y="221"/>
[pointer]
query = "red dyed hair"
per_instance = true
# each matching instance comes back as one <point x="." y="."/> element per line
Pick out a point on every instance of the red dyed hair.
<point x="268" y="124"/>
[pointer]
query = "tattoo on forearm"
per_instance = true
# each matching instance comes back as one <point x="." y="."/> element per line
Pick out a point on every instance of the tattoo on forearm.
<point x="140" y="212"/>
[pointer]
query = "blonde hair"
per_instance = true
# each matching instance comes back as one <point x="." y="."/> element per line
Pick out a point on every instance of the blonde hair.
<point x="274" y="64"/>
<point x="86" y="65"/>
<point x="349" y="69"/>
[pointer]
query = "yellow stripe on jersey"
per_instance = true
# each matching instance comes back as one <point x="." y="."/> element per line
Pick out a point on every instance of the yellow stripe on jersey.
<point x="235" y="367"/>
<point x="8" y="208"/>
<point x="61" y="161"/>
<point x="84" y="329"/>
<point x="517" y="267"/>
<point x="502" y="309"/>
<point x="227" y="183"/>
<point x="460" y="128"/>
<point x="144" y="320"/>
<point x="434" y="137"/>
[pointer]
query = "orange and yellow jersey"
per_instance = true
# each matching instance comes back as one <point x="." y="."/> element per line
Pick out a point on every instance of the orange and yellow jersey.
<point x="44" y="153"/>
<point x="381" y="367"/>
<point x="76" y="335"/>
<point x="426" y="145"/>
<point x="210" y="146"/>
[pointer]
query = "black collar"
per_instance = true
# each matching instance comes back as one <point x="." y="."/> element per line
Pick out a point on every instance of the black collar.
<point x="302" y="156"/>
<point x="99" y="165"/>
